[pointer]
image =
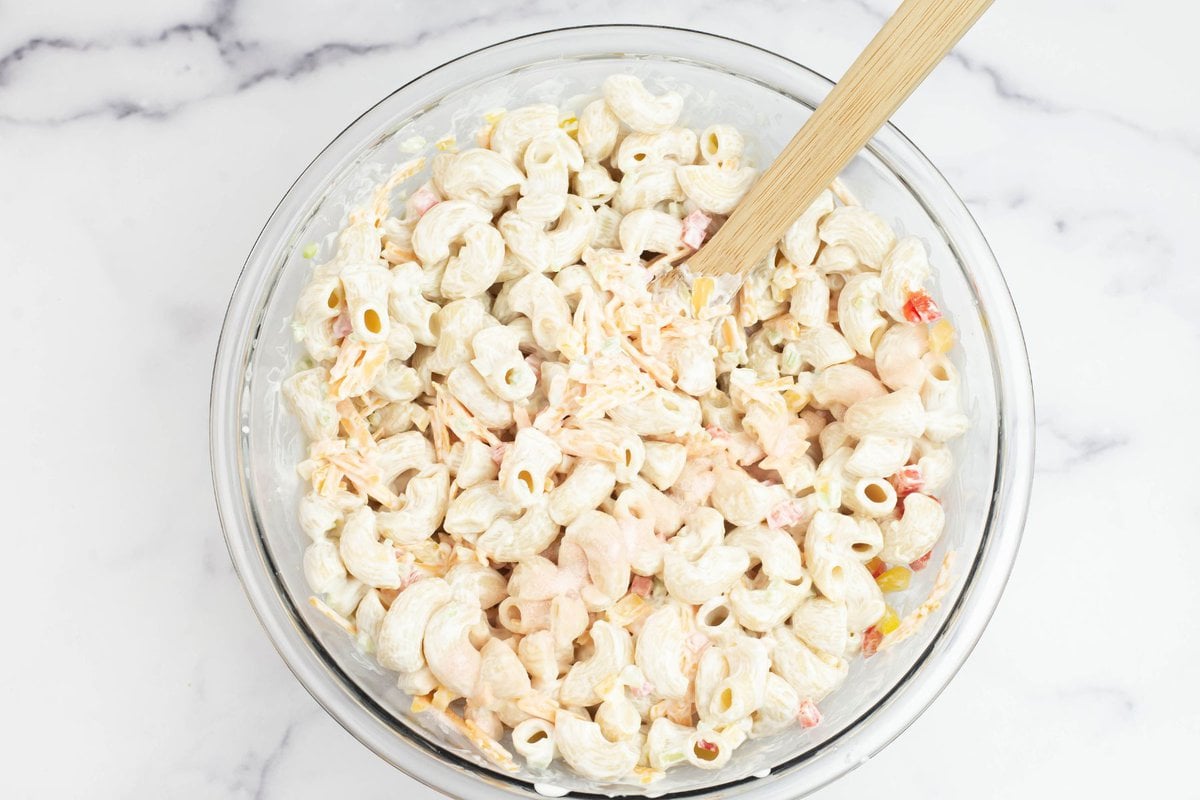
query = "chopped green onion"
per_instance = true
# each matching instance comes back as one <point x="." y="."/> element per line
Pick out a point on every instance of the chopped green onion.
<point x="791" y="358"/>
<point x="309" y="250"/>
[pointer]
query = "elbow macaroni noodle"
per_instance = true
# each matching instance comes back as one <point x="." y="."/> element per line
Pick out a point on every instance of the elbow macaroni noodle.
<point x="617" y="523"/>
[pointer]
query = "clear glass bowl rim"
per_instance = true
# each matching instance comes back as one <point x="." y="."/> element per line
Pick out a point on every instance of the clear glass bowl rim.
<point x="445" y="772"/>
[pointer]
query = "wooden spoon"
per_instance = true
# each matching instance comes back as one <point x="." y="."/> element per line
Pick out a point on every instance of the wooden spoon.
<point x="904" y="51"/>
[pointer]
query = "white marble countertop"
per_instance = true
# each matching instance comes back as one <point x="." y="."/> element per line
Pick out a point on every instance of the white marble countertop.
<point x="142" y="146"/>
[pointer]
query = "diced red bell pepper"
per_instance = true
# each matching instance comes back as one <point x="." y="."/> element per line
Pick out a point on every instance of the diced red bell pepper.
<point x="921" y="308"/>
<point x="810" y="715"/>
<point x="872" y="638"/>
<point x="908" y="480"/>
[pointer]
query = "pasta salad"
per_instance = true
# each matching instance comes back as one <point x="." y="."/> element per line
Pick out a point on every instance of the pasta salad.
<point x="584" y="514"/>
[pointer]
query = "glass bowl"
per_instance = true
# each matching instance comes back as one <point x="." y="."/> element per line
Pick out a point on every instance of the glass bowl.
<point x="255" y="444"/>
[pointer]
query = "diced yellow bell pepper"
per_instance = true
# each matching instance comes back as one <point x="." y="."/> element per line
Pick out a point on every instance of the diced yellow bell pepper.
<point x="895" y="579"/>
<point x="889" y="622"/>
<point x="941" y="336"/>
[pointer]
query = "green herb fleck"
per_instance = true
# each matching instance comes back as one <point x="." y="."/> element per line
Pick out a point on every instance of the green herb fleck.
<point x="309" y="251"/>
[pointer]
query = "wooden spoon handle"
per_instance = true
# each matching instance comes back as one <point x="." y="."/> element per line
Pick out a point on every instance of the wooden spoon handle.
<point x="900" y="56"/>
